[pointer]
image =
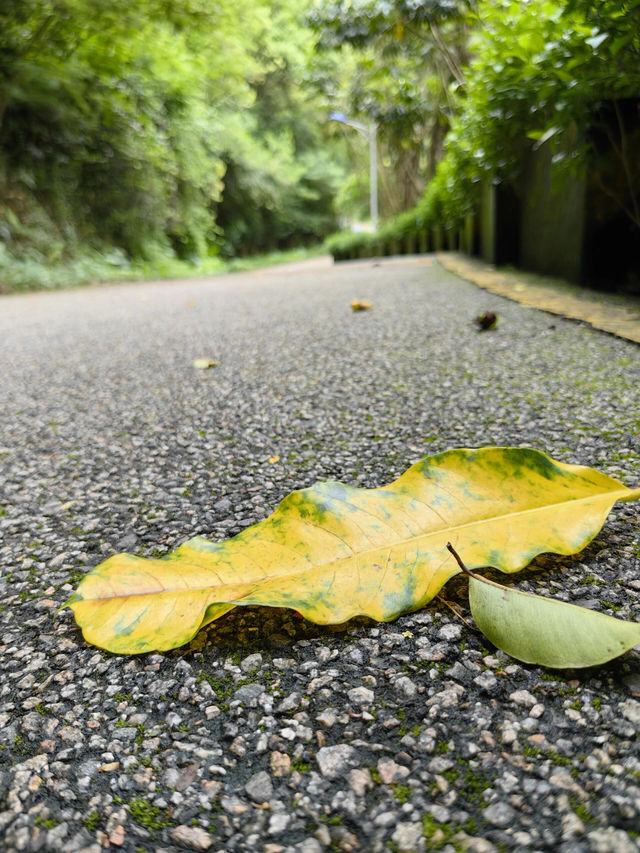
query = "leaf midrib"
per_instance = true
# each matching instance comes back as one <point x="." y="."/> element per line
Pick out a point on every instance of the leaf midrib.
<point x="618" y="494"/>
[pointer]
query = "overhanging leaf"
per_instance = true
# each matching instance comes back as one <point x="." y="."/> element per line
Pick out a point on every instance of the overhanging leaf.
<point x="332" y="552"/>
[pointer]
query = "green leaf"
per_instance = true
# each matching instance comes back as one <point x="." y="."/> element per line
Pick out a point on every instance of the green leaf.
<point x="544" y="631"/>
<point x="332" y="552"/>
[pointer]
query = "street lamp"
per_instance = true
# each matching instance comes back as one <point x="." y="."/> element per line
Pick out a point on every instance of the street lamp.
<point x="370" y="131"/>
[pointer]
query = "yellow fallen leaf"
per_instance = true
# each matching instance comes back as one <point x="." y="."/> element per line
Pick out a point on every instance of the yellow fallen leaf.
<point x="273" y="460"/>
<point x="333" y="551"/>
<point x="360" y="304"/>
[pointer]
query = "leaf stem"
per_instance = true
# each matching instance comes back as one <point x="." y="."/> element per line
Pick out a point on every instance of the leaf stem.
<point x="454" y="611"/>
<point x="459" y="560"/>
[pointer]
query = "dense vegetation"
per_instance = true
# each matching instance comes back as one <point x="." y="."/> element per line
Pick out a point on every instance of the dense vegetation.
<point x="158" y="129"/>
<point x="165" y="133"/>
<point x="557" y="72"/>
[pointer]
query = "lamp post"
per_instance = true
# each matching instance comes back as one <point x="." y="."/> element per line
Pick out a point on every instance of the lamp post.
<point x="370" y="131"/>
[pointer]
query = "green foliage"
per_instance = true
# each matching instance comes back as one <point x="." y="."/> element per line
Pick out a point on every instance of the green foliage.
<point x="147" y="815"/>
<point x="398" y="61"/>
<point x="119" y="121"/>
<point x="541" y="72"/>
<point x="172" y="133"/>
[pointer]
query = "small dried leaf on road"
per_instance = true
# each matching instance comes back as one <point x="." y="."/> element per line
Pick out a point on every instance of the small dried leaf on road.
<point x="487" y="321"/>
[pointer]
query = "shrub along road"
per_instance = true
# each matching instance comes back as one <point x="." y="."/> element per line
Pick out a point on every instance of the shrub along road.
<point x="269" y="733"/>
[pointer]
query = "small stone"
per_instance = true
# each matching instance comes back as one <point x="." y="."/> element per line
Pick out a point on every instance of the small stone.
<point x="449" y="632"/>
<point x="309" y="845"/>
<point x="248" y="693"/>
<point x="333" y="761"/>
<point x="186" y="777"/>
<point x="631" y="710"/>
<point x="361" y="696"/>
<point x="288" y="733"/>
<point x="406" y="687"/>
<point x="280" y="763"/>
<point x="193" y="837"/>
<point x="523" y="697"/>
<point x="278" y="823"/>
<point x="390" y="771"/>
<point x="238" y="747"/>
<point x="127" y="542"/>
<point x="459" y="672"/>
<point x="409" y="837"/>
<point x="562" y="779"/>
<point x="173" y="721"/>
<point x="609" y="839"/>
<point x="447" y="698"/>
<point x="251" y="662"/>
<point x="290" y="703"/>
<point x="571" y="825"/>
<point x="233" y="805"/>
<point x="487" y="739"/>
<point x="474" y="845"/>
<point x="259" y="787"/>
<point x="486" y="681"/>
<point x="116" y="836"/>
<point x="385" y="819"/>
<point x="440" y="763"/>
<point x="170" y="777"/>
<point x="323" y="835"/>
<point x="360" y="781"/>
<point x="440" y="813"/>
<point x="327" y="718"/>
<point x="499" y="814"/>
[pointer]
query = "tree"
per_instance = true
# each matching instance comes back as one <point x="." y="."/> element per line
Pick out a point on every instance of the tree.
<point x="400" y="60"/>
<point x="119" y="120"/>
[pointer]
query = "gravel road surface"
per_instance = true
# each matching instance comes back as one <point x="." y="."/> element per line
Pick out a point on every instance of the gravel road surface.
<point x="269" y="733"/>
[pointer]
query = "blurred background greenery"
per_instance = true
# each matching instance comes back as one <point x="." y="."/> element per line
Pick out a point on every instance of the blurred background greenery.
<point x="164" y="137"/>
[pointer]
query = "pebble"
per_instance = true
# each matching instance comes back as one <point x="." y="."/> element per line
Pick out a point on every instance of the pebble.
<point x="333" y="761"/>
<point x="259" y="787"/>
<point x="194" y="838"/>
<point x="631" y="710"/>
<point x="390" y="771"/>
<point x="523" y="697"/>
<point x="361" y="696"/>
<point x="486" y="681"/>
<point x="409" y="837"/>
<point x="499" y="814"/>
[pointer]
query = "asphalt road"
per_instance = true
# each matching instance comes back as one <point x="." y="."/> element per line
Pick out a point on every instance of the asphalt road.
<point x="269" y="733"/>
